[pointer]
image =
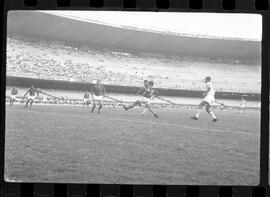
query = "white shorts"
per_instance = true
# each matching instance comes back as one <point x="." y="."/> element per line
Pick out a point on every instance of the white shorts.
<point x="86" y="100"/>
<point x="98" y="98"/>
<point x="242" y="106"/>
<point x="145" y="100"/>
<point x="13" y="97"/>
<point x="31" y="97"/>
<point x="209" y="99"/>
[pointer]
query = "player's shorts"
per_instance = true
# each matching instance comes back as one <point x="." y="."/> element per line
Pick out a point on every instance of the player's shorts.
<point x="98" y="98"/>
<point x="209" y="99"/>
<point x="242" y="106"/>
<point x="13" y="97"/>
<point x="31" y="97"/>
<point x="86" y="100"/>
<point x="145" y="100"/>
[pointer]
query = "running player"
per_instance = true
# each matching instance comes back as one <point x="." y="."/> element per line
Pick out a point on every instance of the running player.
<point x="13" y="96"/>
<point x="31" y="96"/>
<point x="86" y="99"/>
<point x="44" y="100"/>
<point x="98" y="91"/>
<point x="148" y="93"/>
<point x="242" y="105"/>
<point x="209" y="98"/>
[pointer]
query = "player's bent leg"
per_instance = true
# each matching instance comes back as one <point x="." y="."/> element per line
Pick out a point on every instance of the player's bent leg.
<point x="151" y="111"/>
<point x="198" y="113"/>
<point x="202" y="104"/>
<point x="31" y="103"/>
<point x="144" y="111"/>
<point x="209" y="110"/>
<point x="26" y="104"/>
<point x="133" y="105"/>
<point x="94" y="106"/>
<point x="146" y="107"/>
<point x="100" y="106"/>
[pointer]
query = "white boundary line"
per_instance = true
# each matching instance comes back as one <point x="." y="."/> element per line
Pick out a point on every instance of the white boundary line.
<point x="228" y="130"/>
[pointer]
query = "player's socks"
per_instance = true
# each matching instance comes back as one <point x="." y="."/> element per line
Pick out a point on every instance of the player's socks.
<point x="215" y="120"/>
<point x="144" y="111"/>
<point x="197" y="115"/>
<point x="156" y="116"/>
<point x="99" y="108"/>
<point x="213" y="115"/>
<point x="93" y="108"/>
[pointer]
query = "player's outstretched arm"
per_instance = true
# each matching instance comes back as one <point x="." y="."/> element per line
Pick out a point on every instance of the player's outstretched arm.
<point x="26" y="93"/>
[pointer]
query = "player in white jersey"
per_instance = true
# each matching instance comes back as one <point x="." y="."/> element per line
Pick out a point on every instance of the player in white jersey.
<point x="44" y="99"/>
<point x="243" y="105"/>
<point x="86" y="99"/>
<point x="208" y="100"/>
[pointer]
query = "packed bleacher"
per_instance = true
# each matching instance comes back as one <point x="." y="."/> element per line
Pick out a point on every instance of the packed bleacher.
<point x="47" y="60"/>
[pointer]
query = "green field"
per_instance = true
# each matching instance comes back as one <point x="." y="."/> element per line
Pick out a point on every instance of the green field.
<point x="69" y="144"/>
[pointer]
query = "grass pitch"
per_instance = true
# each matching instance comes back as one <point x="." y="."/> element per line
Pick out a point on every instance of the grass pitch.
<point x="68" y="144"/>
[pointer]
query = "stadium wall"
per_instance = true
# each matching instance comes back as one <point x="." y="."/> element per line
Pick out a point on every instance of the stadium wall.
<point x="79" y="86"/>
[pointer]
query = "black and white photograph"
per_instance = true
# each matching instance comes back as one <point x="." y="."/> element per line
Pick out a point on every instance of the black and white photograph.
<point x="128" y="97"/>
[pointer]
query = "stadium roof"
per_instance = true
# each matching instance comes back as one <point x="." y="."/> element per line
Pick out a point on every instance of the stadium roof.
<point x="211" y="25"/>
<point x="91" y="33"/>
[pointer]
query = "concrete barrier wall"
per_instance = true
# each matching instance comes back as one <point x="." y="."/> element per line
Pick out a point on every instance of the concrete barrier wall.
<point x="79" y="86"/>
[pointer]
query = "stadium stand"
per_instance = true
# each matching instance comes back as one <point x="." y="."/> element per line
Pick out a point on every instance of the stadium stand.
<point x="48" y="60"/>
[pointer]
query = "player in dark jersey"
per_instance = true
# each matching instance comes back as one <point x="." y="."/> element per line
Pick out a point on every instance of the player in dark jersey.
<point x="86" y="99"/>
<point x="31" y="96"/>
<point x="98" y="91"/>
<point x="148" y="93"/>
<point x="13" y="95"/>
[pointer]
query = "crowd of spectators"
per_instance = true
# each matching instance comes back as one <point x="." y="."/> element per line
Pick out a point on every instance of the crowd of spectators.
<point x="45" y="60"/>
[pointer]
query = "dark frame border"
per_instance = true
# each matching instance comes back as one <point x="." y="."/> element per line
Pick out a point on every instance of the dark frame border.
<point x="229" y="6"/>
